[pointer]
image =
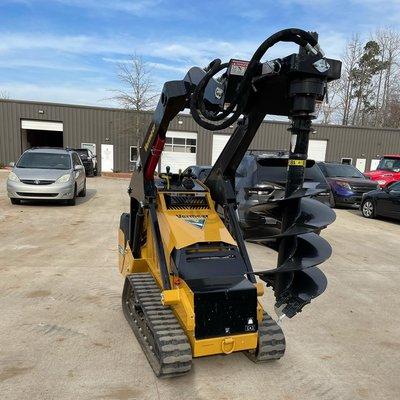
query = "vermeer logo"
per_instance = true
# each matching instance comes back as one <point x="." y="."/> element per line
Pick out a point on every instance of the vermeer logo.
<point x="150" y="138"/>
<point x="196" y="220"/>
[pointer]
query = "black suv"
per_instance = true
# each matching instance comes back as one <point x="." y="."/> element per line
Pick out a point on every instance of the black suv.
<point x="261" y="178"/>
<point x="89" y="161"/>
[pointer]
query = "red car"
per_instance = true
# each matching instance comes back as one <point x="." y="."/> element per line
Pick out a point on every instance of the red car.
<point x="388" y="170"/>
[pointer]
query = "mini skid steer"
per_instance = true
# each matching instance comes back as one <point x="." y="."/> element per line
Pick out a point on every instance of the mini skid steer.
<point x="190" y="289"/>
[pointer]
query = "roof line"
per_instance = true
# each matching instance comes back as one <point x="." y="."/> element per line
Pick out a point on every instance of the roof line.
<point x="184" y="115"/>
<point x="47" y="103"/>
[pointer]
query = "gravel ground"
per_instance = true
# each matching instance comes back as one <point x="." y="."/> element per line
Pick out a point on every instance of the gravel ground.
<point x="63" y="334"/>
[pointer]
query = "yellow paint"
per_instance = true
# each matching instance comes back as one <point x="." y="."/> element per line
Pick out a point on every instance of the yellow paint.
<point x="260" y="289"/>
<point x="184" y="310"/>
<point x="297" y="163"/>
<point x="260" y="313"/>
<point x="170" y="297"/>
<point x="224" y="345"/>
<point x="177" y="233"/>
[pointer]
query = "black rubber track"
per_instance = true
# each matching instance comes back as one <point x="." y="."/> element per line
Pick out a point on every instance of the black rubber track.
<point x="271" y="342"/>
<point x="160" y="335"/>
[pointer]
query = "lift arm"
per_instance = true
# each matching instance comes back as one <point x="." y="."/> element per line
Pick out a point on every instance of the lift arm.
<point x="293" y="86"/>
<point x="175" y="97"/>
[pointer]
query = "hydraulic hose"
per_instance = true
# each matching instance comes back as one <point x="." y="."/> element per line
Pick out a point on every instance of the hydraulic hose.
<point x="298" y="36"/>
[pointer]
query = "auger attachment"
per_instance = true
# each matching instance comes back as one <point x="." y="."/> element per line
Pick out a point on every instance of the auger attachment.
<point x="296" y="280"/>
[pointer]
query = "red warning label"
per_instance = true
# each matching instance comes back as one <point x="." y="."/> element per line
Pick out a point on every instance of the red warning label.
<point x="238" y="67"/>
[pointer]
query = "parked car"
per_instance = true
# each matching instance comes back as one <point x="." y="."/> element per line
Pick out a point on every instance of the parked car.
<point x="382" y="202"/>
<point x="347" y="183"/>
<point x="47" y="174"/>
<point x="262" y="177"/>
<point x="200" y="172"/>
<point x="387" y="172"/>
<point x="89" y="161"/>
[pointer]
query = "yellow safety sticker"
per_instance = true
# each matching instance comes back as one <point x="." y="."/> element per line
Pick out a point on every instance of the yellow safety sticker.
<point x="297" y="163"/>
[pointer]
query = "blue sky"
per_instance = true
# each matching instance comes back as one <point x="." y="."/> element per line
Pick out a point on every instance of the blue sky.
<point x="66" y="50"/>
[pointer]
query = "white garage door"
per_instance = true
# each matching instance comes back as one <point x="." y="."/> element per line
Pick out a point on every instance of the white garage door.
<point x="317" y="150"/>
<point x="41" y="125"/>
<point x="219" y="142"/>
<point x="180" y="151"/>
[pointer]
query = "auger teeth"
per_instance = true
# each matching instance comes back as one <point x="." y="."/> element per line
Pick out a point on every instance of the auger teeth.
<point x="304" y="287"/>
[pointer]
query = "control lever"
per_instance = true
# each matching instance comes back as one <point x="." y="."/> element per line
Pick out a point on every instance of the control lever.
<point x="167" y="177"/>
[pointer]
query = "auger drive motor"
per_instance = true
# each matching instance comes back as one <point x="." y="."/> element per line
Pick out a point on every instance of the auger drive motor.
<point x="190" y="289"/>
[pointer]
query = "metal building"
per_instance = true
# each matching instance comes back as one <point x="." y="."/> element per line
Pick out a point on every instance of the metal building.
<point x="113" y="135"/>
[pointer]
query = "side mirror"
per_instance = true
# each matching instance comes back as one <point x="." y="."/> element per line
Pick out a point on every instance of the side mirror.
<point x="11" y="164"/>
<point x="79" y="167"/>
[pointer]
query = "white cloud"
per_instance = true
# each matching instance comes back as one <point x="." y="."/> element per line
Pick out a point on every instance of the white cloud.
<point x="180" y="52"/>
<point x="43" y="64"/>
<point x="135" y="7"/>
<point x="152" y="65"/>
<point x="71" y="94"/>
<point x="79" y="44"/>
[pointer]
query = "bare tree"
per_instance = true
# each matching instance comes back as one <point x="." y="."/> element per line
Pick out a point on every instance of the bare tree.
<point x="4" y="95"/>
<point x="332" y="102"/>
<point x="389" y="42"/>
<point x="351" y="56"/>
<point x="138" y="92"/>
<point x="368" y="92"/>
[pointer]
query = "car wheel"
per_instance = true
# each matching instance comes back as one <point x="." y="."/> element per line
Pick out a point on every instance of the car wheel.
<point x="83" y="191"/>
<point x="72" y="202"/>
<point x="368" y="209"/>
<point x="15" y="201"/>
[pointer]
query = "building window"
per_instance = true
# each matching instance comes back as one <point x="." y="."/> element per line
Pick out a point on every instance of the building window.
<point x="180" y="145"/>
<point x="133" y="153"/>
<point x="347" y="160"/>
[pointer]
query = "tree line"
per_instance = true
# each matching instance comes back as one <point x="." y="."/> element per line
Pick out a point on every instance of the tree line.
<point x="368" y="93"/>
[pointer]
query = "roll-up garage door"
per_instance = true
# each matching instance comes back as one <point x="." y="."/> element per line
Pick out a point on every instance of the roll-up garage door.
<point x="219" y="142"/>
<point x="317" y="150"/>
<point x="42" y="125"/>
<point x="180" y="150"/>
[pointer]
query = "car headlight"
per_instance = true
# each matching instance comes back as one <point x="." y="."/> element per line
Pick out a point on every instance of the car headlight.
<point x="343" y="184"/>
<point x="381" y="182"/>
<point x="13" y="177"/>
<point x="63" y="179"/>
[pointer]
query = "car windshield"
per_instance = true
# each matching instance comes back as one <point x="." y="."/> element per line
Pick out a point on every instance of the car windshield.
<point x="82" y="152"/>
<point x="275" y="170"/>
<point x="342" y="171"/>
<point x="389" y="164"/>
<point x="204" y="173"/>
<point x="395" y="187"/>
<point x="44" y="161"/>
